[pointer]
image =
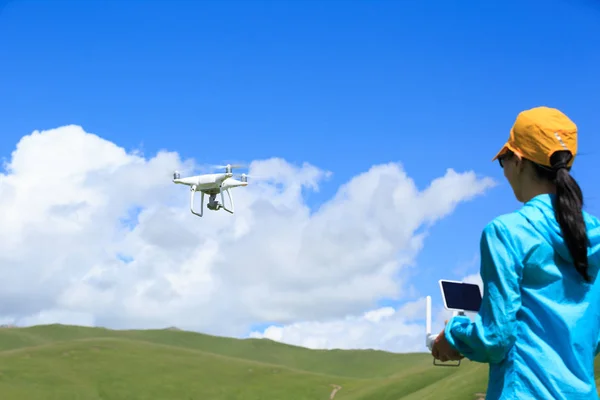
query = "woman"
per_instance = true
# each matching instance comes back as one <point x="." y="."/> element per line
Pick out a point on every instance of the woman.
<point x="539" y="323"/>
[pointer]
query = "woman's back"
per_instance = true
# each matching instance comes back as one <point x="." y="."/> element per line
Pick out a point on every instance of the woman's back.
<point x="557" y="323"/>
<point x="539" y="322"/>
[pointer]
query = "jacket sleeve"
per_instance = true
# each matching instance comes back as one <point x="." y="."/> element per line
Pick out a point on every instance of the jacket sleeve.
<point x="489" y="338"/>
<point x="594" y="258"/>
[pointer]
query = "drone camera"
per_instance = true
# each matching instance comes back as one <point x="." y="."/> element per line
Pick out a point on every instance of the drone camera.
<point x="213" y="205"/>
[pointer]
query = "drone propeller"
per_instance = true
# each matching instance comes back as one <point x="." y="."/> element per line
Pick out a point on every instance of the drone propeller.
<point x="244" y="177"/>
<point x="229" y="166"/>
<point x="176" y="175"/>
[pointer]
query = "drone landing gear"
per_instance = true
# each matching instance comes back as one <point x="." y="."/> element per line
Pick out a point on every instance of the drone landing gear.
<point x="230" y="200"/>
<point x="212" y="204"/>
<point x="193" y="192"/>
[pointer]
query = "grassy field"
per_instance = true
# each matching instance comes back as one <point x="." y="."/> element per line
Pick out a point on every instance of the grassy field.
<point x="68" y="362"/>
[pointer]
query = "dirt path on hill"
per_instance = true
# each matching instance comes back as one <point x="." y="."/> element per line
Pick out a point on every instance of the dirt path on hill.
<point x="336" y="388"/>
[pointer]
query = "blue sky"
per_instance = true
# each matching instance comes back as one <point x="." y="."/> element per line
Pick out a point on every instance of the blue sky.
<point x="340" y="84"/>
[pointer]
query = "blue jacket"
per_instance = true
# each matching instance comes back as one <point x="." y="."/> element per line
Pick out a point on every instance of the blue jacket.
<point x="539" y="322"/>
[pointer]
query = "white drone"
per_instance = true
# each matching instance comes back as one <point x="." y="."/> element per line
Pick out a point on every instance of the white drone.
<point x="212" y="185"/>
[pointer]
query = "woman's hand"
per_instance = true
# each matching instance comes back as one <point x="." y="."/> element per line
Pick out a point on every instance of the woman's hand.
<point x="442" y="350"/>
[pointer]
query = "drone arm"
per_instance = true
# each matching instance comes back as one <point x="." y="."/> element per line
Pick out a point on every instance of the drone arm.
<point x="193" y="192"/>
<point x="230" y="200"/>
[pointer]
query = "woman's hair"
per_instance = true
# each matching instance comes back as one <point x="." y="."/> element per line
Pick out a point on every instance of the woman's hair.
<point x="568" y="208"/>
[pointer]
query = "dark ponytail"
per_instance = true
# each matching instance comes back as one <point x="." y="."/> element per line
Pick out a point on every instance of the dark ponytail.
<point x="568" y="209"/>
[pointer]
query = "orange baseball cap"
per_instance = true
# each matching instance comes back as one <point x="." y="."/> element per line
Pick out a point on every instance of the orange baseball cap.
<point x="539" y="132"/>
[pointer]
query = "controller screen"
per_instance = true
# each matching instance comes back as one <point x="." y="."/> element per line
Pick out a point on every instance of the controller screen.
<point x="462" y="296"/>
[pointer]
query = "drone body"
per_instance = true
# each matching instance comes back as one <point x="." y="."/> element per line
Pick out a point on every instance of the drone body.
<point x="212" y="185"/>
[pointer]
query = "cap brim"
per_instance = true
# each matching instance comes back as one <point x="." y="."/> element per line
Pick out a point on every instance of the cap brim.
<point x="501" y="152"/>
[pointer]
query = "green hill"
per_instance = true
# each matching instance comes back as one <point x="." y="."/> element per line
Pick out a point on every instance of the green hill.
<point x="70" y="362"/>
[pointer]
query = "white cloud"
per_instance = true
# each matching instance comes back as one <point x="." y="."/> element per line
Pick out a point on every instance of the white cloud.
<point x="399" y="330"/>
<point x="93" y="234"/>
